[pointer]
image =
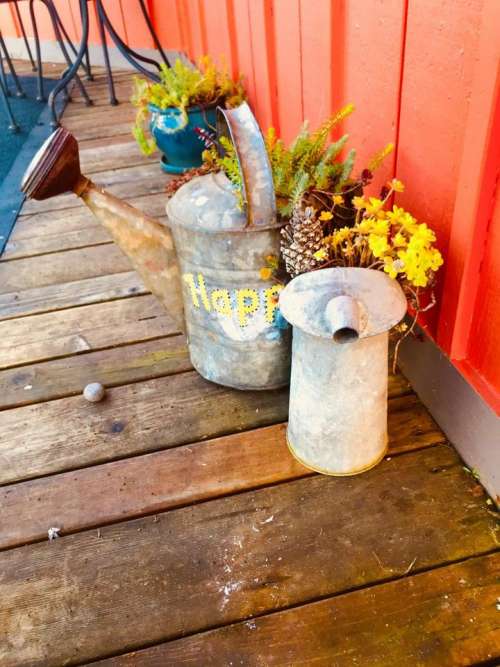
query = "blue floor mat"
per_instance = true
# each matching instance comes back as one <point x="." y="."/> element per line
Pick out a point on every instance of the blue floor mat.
<point x="17" y="149"/>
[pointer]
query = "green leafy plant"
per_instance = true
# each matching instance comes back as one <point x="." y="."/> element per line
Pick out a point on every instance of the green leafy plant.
<point x="308" y="172"/>
<point x="181" y="87"/>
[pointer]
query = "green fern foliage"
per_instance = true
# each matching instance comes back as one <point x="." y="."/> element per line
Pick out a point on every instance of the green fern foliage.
<point x="310" y="171"/>
<point x="309" y="163"/>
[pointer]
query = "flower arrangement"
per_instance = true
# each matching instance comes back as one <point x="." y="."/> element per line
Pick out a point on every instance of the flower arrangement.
<point x="182" y="87"/>
<point x="383" y="237"/>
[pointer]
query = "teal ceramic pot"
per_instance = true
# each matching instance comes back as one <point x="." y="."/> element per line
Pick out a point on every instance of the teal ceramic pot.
<point x="181" y="148"/>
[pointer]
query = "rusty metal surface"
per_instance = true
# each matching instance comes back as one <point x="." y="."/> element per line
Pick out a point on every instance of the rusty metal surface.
<point x="338" y="390"/>
<point x="235" y="337"/>
<point x="147" y="244"/>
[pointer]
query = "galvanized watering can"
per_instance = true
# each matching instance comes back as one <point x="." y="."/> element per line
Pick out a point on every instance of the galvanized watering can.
<point x="338" y="390"/>
<point x="230" y="312"/>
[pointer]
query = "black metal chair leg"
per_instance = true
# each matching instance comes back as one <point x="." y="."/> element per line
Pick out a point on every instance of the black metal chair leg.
<point x="17" y="84"/>
<point x="152" y="32"/>
<point x="89" y="76"/>
<point x="3" y="80"/>
<point x="76" y="64"/>
<point x="129" y="54"/>
<point x="40" y="96"/>
<point x="25" y="38"/>
<point x="13" y="126"/>
<point x="109" y="74"/>
<point x="55" y="22"/>
<point x="86" y="64"/>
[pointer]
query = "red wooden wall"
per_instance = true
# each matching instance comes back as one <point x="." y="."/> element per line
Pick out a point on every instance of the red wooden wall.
<point x="422" y="73"/>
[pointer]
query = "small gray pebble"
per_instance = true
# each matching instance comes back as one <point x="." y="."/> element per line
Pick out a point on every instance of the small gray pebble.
<point x="94" y="392"/>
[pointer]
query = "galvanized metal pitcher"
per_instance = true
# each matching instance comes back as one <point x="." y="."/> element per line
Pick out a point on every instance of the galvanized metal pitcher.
<point x="234" y="336"/>
<point x="338" y="390"/>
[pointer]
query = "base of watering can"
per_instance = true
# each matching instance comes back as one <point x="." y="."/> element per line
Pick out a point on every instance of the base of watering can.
<point x="329" y="472"/>
<point x="172" y="168"/>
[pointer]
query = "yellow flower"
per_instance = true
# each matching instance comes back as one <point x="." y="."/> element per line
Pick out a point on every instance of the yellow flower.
<point x="378" y="245"/>
<point x="325" y="215"/>
<point x="265" y="273"/>
<point x="424" y="235"/>
<point x="338" y="199"/>
<point x="393" y="266"/>
<point x="375" y="206"/>
<point x="380" y="227"/>
<point x="396" y="185"/>
<point x="273" y="261"/>
<point x="399" y="240"/>
<point x="341" y="234"/>
<point x="365" y="226"/>
<point x="358" y="203"/>
<point x="321" y="255"/>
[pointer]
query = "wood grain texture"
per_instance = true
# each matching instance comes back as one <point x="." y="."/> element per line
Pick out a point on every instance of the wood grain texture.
<point x="53" y="379"/>
<point x="442" y="617"/>
<point x="134" y="419"/>
<point x="75" y="293"/>
<point x="40" y="337"/>
<point x="150" y="580"/>
<point x="126" y="183"/>
<point x="65" y="267"/>
<point x="165" y="480"/>
<point x="66" y="229"/>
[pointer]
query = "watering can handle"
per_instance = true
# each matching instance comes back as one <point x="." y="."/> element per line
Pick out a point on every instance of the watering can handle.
<point x="241" y="127"/>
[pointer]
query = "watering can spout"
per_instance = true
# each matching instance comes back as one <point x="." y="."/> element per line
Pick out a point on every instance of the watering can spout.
<point x="55" y="169"/>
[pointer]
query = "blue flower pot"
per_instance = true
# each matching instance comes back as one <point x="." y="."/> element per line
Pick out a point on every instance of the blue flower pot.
<point x="181" y="148"/>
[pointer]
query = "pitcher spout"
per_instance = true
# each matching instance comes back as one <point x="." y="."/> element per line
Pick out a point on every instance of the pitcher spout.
<point x="148" y="244"/>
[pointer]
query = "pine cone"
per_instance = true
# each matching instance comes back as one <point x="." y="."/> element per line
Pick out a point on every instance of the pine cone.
<point x="300" y="239"/>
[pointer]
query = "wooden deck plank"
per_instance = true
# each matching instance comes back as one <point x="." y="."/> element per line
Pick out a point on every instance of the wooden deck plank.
<point x="164" y="480"/>
<point x="67" y="229"/>
<point x="93" y="327"/>
<point x="192" y="569"/>
<point x="64" y="267"/>
<point x="134" y="419"/>
<point x="68" y="376"/>
<point x="96" y="160"/>
<point x="445" y="617"/>
<point x="126" y="183"/>
<point x="66" y="295"/>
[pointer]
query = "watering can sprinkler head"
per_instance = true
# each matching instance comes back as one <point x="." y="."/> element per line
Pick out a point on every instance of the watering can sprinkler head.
<point x="55" y="168"/>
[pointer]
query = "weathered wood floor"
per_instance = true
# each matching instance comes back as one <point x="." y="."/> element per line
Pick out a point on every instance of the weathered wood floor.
<point x="189" y="536"/>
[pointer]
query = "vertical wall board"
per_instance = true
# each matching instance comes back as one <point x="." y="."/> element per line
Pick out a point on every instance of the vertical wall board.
<point x="167" y="24"/>
<point x="136" y="29"/>
<point x="286" y="17"/>
<point x="185" y="26"/>
<point x="373" y="44"/>
<point x="220" y="33"/>
<point x="265" y="102"/>
<point x="484" y="342"/>
<point x="44" y="24"/>
<point x="441" y="47"/>
<point x="474" y="196"/>
<point x="8" y="22"/>
<point x="244" y="47"/>
<point x="316" y="19"/>
<point x="196" y="11"/>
